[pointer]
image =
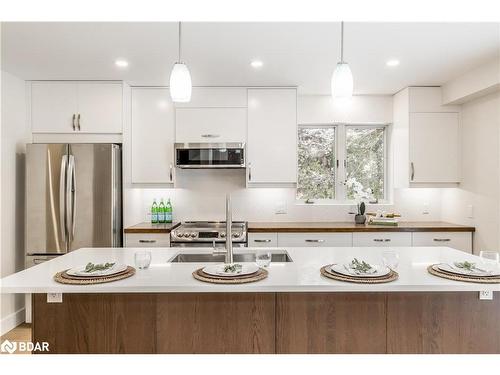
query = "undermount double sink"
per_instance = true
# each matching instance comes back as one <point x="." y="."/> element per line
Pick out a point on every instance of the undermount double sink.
<point x="276" y="257"/>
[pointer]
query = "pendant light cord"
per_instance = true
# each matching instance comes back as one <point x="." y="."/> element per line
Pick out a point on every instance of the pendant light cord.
<point x="180" y="33"/>
<point x="342" y="41"/>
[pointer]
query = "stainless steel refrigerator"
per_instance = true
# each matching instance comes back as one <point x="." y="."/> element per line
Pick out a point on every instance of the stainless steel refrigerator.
<point x="73" y="198"/>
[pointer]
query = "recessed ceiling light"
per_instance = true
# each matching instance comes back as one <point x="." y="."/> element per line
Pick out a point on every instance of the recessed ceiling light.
<point x="256" y="64"/>
<point x="121" y="63"/>
<point x="392" y="62"/>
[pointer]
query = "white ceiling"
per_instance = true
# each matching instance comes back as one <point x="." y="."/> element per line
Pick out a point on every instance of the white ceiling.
<point x="218" y="54"/>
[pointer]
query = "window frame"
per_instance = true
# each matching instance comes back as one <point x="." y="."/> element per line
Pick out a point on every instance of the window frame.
<point x="341" y="162"/>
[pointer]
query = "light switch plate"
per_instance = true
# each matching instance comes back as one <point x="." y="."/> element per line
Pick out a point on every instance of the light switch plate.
<point x="470" y="211"/>
<point x="280" y="208"/>
<point x="54" y="297"/>
<point x="486" y="294"/>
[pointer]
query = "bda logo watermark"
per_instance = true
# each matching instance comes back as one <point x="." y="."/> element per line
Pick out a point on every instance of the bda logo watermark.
<point x="23" y="346"/>
<point x="8" y="347"/>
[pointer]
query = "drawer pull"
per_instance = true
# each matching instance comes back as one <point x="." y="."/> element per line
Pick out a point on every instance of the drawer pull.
<point x="441" y="239"/>
<point x="262" y="241"/>
<point x="387" y="240"/>
<point x="147" y="241"/>
<point x="378" y="239"/>
<point x="316" y="241"/>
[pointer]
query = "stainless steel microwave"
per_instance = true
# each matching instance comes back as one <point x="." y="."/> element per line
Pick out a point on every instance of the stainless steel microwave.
<point x="209" y="155"/>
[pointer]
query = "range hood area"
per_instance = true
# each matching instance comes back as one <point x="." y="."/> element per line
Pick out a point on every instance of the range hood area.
<point x="210" y="155"/>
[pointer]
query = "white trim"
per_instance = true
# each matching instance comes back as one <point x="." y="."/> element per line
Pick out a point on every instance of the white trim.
<point x="12" y="321"/>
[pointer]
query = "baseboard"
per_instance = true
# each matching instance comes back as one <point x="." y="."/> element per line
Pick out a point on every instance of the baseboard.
<point x="12" y="321"/>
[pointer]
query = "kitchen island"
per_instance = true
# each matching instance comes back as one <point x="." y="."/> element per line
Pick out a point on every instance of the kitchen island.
<point x="295" y="310"/>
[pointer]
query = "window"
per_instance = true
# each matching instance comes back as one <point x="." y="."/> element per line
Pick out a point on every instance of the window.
<point x="341" y="163"/>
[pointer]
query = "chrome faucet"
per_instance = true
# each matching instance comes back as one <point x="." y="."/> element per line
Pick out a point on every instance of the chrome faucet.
<point x="229" y="224"/>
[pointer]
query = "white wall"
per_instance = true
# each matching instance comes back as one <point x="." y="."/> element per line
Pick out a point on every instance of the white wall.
<point x="200" y="194"/>
<point x="15" y="134"/>
<point x="477" y="82"/>
<point x="480" y="186"/>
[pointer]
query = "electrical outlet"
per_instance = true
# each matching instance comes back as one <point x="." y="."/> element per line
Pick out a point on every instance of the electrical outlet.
<point x="470" y="211"/>
<point x="486" y="294"/>
<point x="280" y="208"/>
<point x="425" y="210"/>
<point x="54" y="297"/>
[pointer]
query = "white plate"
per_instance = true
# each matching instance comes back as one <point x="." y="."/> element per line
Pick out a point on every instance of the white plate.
<point x="344" y="269"/>
<point x="486" y="269"/>
<point x="80" y="270"/>
<point x="218" y="270"/>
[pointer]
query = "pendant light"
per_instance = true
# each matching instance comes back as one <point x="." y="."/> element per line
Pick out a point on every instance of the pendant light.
<point x="342" y="82"/>
<point x="180" y="79"/>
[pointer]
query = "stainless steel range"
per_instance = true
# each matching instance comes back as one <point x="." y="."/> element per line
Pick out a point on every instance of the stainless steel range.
<point x="208" y="234"/>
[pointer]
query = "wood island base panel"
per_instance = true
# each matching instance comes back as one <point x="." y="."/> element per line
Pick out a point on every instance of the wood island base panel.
<point x="367" y="322"/>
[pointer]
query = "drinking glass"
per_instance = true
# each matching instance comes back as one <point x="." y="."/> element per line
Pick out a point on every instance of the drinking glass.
<point x="489" y="257"/>
<point x="263" y="258"/>
<point x="142" y="259"/>
<point x="390" y="258"/>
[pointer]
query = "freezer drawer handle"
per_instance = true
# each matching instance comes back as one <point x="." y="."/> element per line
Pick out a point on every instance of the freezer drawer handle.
<point x="315" y="241"/>
<point x="147" y="241"/>
<point x="266" y="241"/>
<point x="441" y="239"/>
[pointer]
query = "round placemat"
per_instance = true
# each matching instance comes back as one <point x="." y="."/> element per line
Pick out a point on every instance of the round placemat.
<point x="63" y="278"/>
<point x="433" y="270"/>
<point x="391" y="276"/>
<point x="202" y="276"/>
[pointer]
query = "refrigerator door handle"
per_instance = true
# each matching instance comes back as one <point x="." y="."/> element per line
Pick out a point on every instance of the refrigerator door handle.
<point x="62" y="198"/>
<point x="70" y="198"/>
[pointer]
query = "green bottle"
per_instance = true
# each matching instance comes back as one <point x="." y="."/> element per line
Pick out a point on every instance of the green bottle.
<point x="168" y="212"/>
<point x="161" y="212"/>
<point x="154" y="212"/>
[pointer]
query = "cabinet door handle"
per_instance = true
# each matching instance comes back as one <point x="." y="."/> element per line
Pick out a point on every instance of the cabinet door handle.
<point x="387" y="240"/>
<point x="147" y="241"/>
<point x="171" y="176"/>
<point x="73" y="122"/>
<point x="316" y="241"/>
<point x="249" y="171"/>
<point x="378" y="239"/>
<point x="441" y="239"/>
<point x="412" y="171"/>
<point x="266" y="241"/>
<point x="78" y="122"/>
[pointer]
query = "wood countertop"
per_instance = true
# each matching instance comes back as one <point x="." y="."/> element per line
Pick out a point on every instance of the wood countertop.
<point x="336" y="226"/>
<point x="151" y="228"/>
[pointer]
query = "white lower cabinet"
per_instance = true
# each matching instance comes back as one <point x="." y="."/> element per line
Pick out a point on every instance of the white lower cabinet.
<point x="381" y="239"/>
<point x="262" y="239"/>
<point x="315" y="239"/>
<point x="456" y="240"/>
<point x="147" y="239"/>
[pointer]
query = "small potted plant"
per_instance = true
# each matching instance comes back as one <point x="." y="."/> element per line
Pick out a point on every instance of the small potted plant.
<point x="360" y="217"/>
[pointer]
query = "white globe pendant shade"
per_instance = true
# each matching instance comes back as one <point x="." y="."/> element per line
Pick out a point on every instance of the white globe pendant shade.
<point x="180" y="83"/>
<point x="342" y="82"/>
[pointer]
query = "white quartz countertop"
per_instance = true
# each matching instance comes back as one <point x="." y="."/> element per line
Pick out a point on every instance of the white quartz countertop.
<point x="301" y="275"/>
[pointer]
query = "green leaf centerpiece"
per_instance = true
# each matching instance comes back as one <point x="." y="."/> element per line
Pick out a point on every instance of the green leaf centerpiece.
<point x="91" y="267"/>
<point x="361" y="266"/>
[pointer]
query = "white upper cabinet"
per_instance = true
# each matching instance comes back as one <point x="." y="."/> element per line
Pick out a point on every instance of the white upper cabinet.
<point x="100" y="107"/>
<point x="152" y="136"/>
<point x="272" y="137"/>
<point x="425" y="139"/>
<point x="216" y="97"/>
<point x="210" y="125"/>
<point x="54" y="107"/>
<point x="76" y="107"/>
<point x="434" y="154"/>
